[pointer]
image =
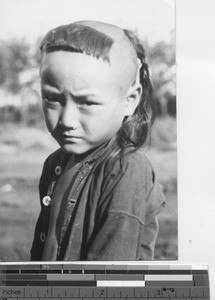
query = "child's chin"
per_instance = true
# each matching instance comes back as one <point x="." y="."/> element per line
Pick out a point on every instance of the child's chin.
<point x="75" y="149"/>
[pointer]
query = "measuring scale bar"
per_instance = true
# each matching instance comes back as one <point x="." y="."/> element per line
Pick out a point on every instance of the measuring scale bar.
<point x="112" y="281"/>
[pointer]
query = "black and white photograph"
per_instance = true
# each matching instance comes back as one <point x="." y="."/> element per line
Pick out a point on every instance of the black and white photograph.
<point x="88" y="135"/>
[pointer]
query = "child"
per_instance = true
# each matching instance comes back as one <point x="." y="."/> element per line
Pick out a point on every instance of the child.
<point x="99" y="194"/>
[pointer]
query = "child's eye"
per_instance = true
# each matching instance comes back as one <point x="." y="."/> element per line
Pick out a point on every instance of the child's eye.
<point x="51" y="98"/>
<point x="86" y="103"/>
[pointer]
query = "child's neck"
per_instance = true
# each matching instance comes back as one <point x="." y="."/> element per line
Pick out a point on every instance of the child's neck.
<point x="80" y="157"/>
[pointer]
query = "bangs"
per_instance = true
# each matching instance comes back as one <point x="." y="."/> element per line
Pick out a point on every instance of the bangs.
<point x="78" y="38"/>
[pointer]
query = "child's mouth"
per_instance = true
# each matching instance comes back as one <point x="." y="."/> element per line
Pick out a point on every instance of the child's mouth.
<point x="69" y="135"/>
<point x="66" y="136"/>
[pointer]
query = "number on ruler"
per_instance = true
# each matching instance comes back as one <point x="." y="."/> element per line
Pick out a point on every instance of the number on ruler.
<point x="157" y="293"/>
<point x="44" y="292"/>
<point x="154" y="292"/>
<point x="101" y="293"/>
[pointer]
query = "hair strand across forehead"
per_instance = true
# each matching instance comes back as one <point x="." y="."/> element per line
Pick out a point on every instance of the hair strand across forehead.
<point x="78" y="38"/>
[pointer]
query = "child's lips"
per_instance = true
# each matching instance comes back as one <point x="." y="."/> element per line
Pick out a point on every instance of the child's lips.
<point x="66" y="136"/>
<point x="70" y="135"/>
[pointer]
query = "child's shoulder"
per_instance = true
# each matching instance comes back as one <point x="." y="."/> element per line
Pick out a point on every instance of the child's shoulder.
<point x="135" y="159"/>
<point x="134" y="163"/>
<point x="131" y="176"/>
<point x="138" y="159"/>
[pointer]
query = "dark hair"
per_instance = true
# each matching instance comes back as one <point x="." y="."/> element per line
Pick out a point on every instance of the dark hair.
<point x="78" y="38"/>
<point x="85" y="39"/>
<point x="135" y="129"/>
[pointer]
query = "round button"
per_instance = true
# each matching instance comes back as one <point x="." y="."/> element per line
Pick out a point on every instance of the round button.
<point x="58" y="170"/>
<point x="46" y="200"/>
<point x="42" y="237"/>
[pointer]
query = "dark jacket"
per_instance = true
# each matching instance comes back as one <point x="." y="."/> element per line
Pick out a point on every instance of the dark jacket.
<point x="102" y="208"/>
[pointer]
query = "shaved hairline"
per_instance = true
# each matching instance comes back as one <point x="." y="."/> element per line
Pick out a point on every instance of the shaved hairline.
<point x="97" y="39"/>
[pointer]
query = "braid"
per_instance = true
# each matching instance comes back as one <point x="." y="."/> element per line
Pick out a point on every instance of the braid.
<point x="135" y="128"/>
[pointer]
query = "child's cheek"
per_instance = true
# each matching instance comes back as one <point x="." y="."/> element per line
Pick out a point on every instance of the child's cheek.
<point x="52" y="118"/>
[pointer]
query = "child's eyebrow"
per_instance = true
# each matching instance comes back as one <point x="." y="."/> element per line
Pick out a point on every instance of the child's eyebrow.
<point x="81" y="95"/>
<point x="50" y="90"/>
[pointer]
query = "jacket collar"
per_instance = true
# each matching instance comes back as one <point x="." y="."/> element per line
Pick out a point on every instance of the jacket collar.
<point x="90" y="158"/>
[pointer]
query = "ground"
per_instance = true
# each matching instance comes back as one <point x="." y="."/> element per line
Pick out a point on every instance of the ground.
<point x="23" y="151"/>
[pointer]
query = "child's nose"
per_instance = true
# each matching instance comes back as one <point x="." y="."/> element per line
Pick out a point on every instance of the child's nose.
<point x="70" y="115"/>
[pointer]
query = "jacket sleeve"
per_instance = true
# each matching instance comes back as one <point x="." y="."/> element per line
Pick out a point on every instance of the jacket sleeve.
<point x="126" y="225"/>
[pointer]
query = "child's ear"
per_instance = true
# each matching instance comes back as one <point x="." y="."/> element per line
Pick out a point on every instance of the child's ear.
<point x="133" y="98"/>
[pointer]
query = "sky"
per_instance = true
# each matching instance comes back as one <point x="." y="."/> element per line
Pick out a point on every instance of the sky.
<point x="154" y="20"/>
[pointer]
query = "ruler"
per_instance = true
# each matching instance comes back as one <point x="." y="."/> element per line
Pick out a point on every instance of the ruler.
<point x="109" y="281"/>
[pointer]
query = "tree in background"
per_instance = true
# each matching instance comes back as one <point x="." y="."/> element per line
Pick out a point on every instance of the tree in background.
<point x="14" y="58"/>
<point x="19" y="86"/>
<point x="162" y="64"/>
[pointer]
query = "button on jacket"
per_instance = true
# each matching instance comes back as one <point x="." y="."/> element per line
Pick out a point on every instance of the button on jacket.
<point x="102" y="208"/>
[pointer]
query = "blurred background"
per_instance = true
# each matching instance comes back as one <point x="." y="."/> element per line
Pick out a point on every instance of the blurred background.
<point x="24" y="141"/>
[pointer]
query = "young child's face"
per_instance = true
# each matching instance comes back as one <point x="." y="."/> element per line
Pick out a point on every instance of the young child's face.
<point x="83" y="102"/>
